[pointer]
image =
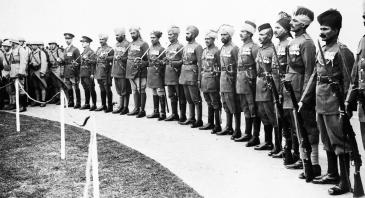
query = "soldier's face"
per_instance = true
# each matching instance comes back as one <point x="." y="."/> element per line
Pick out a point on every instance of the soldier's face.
<point x="225" y="38"/>
<point x="52" y="46"/>
<point x="7" y="48"/>
<point x="295" y="25"/>
<point x="34" y="47"/>
<point x="102" y="41"/>
<point x="21" y="42"/>
<point x="209" y="42"/>
<point x="134" y="35"/>
<point x="119" y="37"/>
<point x="265" y="36"/>
<point x="154" y="39"/>
<point x="245" y="35"/>
<point x="279" y="31"/>
<point x="85" y="44"/>
<point x="171" y="36"/>
<point x="189" y="36"/>
<point x="68" y="41"/>
<point x="327" y="33"/>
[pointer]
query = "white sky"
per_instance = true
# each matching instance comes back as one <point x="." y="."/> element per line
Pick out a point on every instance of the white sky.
<point x="48" y="19"/>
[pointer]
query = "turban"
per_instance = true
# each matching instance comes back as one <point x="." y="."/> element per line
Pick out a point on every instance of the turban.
<point x="119" y="31"/>
<point x="134" y="28"/>
<point x="6" y="43"/>
<point x="264" y="26"/>
<point x="284" y="21"/>
<point x="103" y="36"/>
<point x="15" y="41"/>
<point x="332" y="18"/>
<point x="227" y="29"/>
<point x="249" y="26"/>
<point x="174" y="29"/>
<point x="211" y="34"/>
<point x="193" y="30"/>
<point x="304" y="15"/>
<point x="157" y="33"/>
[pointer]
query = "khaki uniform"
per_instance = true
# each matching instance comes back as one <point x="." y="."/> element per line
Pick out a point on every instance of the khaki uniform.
<point x="38" y="67"/>
<point x="70" y="72"/>
<point x="104" y="60"/>
<point x="87" y="68"/>
<point x="122" y="85"/>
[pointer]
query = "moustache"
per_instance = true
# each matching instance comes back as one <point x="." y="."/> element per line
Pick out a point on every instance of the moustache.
<point x="322" y="36"/>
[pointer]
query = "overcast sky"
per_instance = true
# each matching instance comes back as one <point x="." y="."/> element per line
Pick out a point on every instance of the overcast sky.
<point x="48" y="19"/>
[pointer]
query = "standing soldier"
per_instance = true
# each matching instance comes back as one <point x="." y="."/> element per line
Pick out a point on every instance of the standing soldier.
<point x="104" y="61"/>
<point x="18" y="64"/>
<point x="70" y="71"/>
<point x="333" y="66"/>
<point x="210" y="82"/>
<point x="56" y="58"/>
<point x="245" y="86"/>
<point x="87" y="72"/>
<point x="301" y="62"/>
<point x="136" y="71"/>
<point x="228" y="61"/>
<point x="172" y="73"/>
<point x="190" y="77"/>
<point x="6" y="58"/>
<point x="264" y="99"/>
<point x="155" y="76"/>
<point x="38" y="68"/>
<point x="122" y="85"/>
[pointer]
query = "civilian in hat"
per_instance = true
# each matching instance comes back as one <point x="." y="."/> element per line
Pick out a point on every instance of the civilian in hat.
<point x="136" y="71"/>
<point x="245" y="86"/>
<point x="71" y="71"/>
<point x="173" y="69"/>
<point x="210" y="82"/>
<point x="56" y="58"/>
<point x="104" y="61"/>
<point x="228" y="61"/>
<point x="335" y="66"/>
<point x="122" y="84"/>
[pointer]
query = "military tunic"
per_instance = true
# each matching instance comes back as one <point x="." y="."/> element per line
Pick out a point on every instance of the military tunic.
<point x="122" y="84"/>
<point x="227" y="81"/>
<point x="173" y="68"/>
<point x="87" y="68"/>
<point x="136" y="50"/>
<point x="155" y="71"/>
<point x="55" y="66"/>
<point x="104" y="59"/>
<point x="327" y="104"/>
<point x="191" y="67"/>
<point x="68" y="70"/>
<point x="246" y="78"/>
<point x="38" y="67"/>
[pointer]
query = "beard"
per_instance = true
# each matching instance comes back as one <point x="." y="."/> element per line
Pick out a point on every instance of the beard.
<point x="189" y="39"/>
<point x="134" y="38"/>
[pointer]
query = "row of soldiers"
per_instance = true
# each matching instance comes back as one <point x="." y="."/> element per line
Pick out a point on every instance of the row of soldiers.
<point x="248" y="79"/>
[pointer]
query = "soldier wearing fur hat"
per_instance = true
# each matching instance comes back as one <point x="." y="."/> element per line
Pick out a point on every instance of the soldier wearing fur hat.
<point x="190" y="77"/>
<point x="87" y="72"/>
<point x="246" y="83"/>
<point x="301" y="62"/>
<point x="172" y="73"/>
<point x="104" y="61"/>
<point x="336" y="68"/>
<point x="210" y="82"/>
<point x="122" y="84"/>
<point x="70" y="71"/>
<point x="136" y="71"/>
<point x="155" y="76"/>
<point x="56" y="58"/>
<point x="228" y="60"/>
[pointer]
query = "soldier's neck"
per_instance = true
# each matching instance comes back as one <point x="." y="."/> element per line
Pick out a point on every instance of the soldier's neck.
<point x="156" y="44"/>
<point x="228" y="43"/>
<point x="211" y="46"/>
<point x="249" y="40"/>
<point x="331" y="42"/>
<point x="192" y="41"/>
<point x="284" y="38"/>
<point x="173" y="42"/>
<point x="300" y="32"/>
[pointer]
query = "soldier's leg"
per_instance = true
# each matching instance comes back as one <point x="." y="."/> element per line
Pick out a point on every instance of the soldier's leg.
<point x="270" y="111"/>
<point x="143" y="97"/>
<point x="69" y="93"/>
<point x="226" y="97"/>
<point x="217" y="107"/>
<point x="197" y="100"/>
<point x="118" y="87"/>
<point x="155" y="98"/>
<point x="102" y="96"/>
<point x="22" y="96"/>
<point x="75" y="84"/>
<point x="237" y="118"/>
<point x="173" y="95"/>
<point x="43" y="94"/>
<point x="85" y="86"/>
<point x="191" y="118"/>
<point x="162" y="98"/>
<point x="36" y="90"/>
<point x="264" y="112"/>
<point x="109" y="94"/>
<point x="362" y="131"/>
<point x="208" y="100"/>
<point x="136" y="97"/>
<point x="182" y="102"/>
<point x="287" y="134"/>
<point x="245" y="107"/>
<point x="126" y="91"/>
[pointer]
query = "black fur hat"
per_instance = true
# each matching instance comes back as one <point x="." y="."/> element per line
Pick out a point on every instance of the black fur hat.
<point x="332" y="18"/>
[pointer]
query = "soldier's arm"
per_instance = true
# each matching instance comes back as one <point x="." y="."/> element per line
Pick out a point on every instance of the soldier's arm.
<point x="199" y="53"/>
<point x="23" y="61"/>
<point x="43" y="63"/>
<point x="352" y="92"/>
<point x="145" y="58"/>
<point x="110" y="55"/>
<point x="75" y="55"/>
<point x="93" y="62"/>
<point x="218" y="58"/>
<point x="61" y="55"/>
<point x="255" y="51"/>
<point x="308" y="53"/>
<point x="310" y="89"/>
<point x="347" y="62"/>
<point x="178" y="63"/>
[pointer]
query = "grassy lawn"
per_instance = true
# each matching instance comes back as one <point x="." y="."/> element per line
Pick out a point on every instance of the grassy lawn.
<point x="30" y="164"/>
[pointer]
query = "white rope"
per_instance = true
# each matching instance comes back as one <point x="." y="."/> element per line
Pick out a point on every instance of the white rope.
<point x="37" y="101"/>
<point x="7" y="85"/>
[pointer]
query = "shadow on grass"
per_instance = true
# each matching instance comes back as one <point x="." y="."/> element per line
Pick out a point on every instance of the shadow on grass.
<point x="30" y="164"/>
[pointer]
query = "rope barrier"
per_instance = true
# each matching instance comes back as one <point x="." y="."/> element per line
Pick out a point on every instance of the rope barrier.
<point x="37" y="101"/>
<point x="7" y="85"/>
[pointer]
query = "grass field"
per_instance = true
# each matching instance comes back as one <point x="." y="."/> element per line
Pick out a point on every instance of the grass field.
<point x="30" y="164"/>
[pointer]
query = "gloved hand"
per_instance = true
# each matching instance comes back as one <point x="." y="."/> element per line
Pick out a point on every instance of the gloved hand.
<point x="348" y="110"/>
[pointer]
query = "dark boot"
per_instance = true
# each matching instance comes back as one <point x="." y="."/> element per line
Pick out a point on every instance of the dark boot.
<point x="155" y="113"/>
<point x="217" y="119"/>
<point x="237" y="129"/>
<point x="191" y="118"/>
<point x="210" y="123"/>
<point x="103" y="102"/>
<point x="110" y="102"/>
<point x="78" y="98"/>
<point x="87" y="100"/>
<point x="163" y="108"/>
<point x="199" y="112"/>
<point x="316" y="168"/>
<point x="277" y="147"/>
<point x="174" y="116"/>
<point x="23" y="103"/>
<point x="268" y="139"/>
<point x="125" y="109"/>
<point x="248" y="131"/>
<point x="70" y="98"/>
<point x="344" y="186"/>
<point x="182" y="117"/>
<point x="255" y="140"/>
<point x="228" y="130"/>
<point x="93" y="98"/>
<point x="137" y="102"/>
<point x="141" y="112"/>
<point x="332" y="176"/>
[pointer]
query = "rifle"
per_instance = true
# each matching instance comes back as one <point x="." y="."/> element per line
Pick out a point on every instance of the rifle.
<point x="302" y="133"/>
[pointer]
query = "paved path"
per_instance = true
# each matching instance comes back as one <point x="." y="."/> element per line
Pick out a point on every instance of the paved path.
<point x="214" y="166"/>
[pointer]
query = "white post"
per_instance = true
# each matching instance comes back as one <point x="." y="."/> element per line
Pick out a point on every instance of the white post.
<point x="17" y="104"/>
<point x="62" y="122"/>
<point x="95" y="165"/>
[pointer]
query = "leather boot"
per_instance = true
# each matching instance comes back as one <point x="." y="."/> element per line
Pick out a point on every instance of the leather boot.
<point x="228" y="130"/>
<point x="93" y="98"/>
<point x="332" y="176"/>
<point x="110" y="102"/>
<point x="120" y="107"/>
<point x="277" y="137"/>
<point x="78" y="98"/>
<point x="137" y="102"/>
<point x="174" y="116"/>
<point x="191" y="118"/>
<point x="182" y="117"/>
<point x="248" y="131"/>
<point x="125" y="109"/>
<point x="23" y="103"/>
<point x="344" y="186"/>
<point x="268" y="139"/>
<point x="217" y="119"/>
<point x="141" y="112"/>
<point x="199" y="112"/>
<point x="155" y="113"/>
<point x="163" y="108"/>
<point x="237" y="129"/>
<point x="87" y="100"/>
<point x="103" y="102"/>
<point x="210" y="124"/>
<point x="70" y="98"/>
<point x="43" y="96"/>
